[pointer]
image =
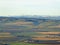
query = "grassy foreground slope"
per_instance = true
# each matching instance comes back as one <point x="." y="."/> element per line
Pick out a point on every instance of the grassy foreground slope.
<point x="21" y="43"/>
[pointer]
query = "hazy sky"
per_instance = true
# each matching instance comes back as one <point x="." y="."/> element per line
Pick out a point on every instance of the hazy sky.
<point x="29" y="7"/>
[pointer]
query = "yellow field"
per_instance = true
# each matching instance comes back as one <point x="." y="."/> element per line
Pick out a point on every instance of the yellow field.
<point x="5" y="33"/>
<point x="19" y="23"/>
<point x="48" y="32"/>
<point x="44" y="38"/>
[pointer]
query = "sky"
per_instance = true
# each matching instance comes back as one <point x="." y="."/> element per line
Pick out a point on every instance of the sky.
<point x="29" y="7"/>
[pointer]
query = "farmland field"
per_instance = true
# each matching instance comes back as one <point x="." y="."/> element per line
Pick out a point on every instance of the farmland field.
<point x="29" y="31"/>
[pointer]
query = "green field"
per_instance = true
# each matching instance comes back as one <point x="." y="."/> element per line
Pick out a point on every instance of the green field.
<point x="22" y="43"/>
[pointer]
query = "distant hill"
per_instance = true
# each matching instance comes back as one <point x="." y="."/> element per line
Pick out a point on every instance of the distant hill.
<point x="29" y="18"/>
